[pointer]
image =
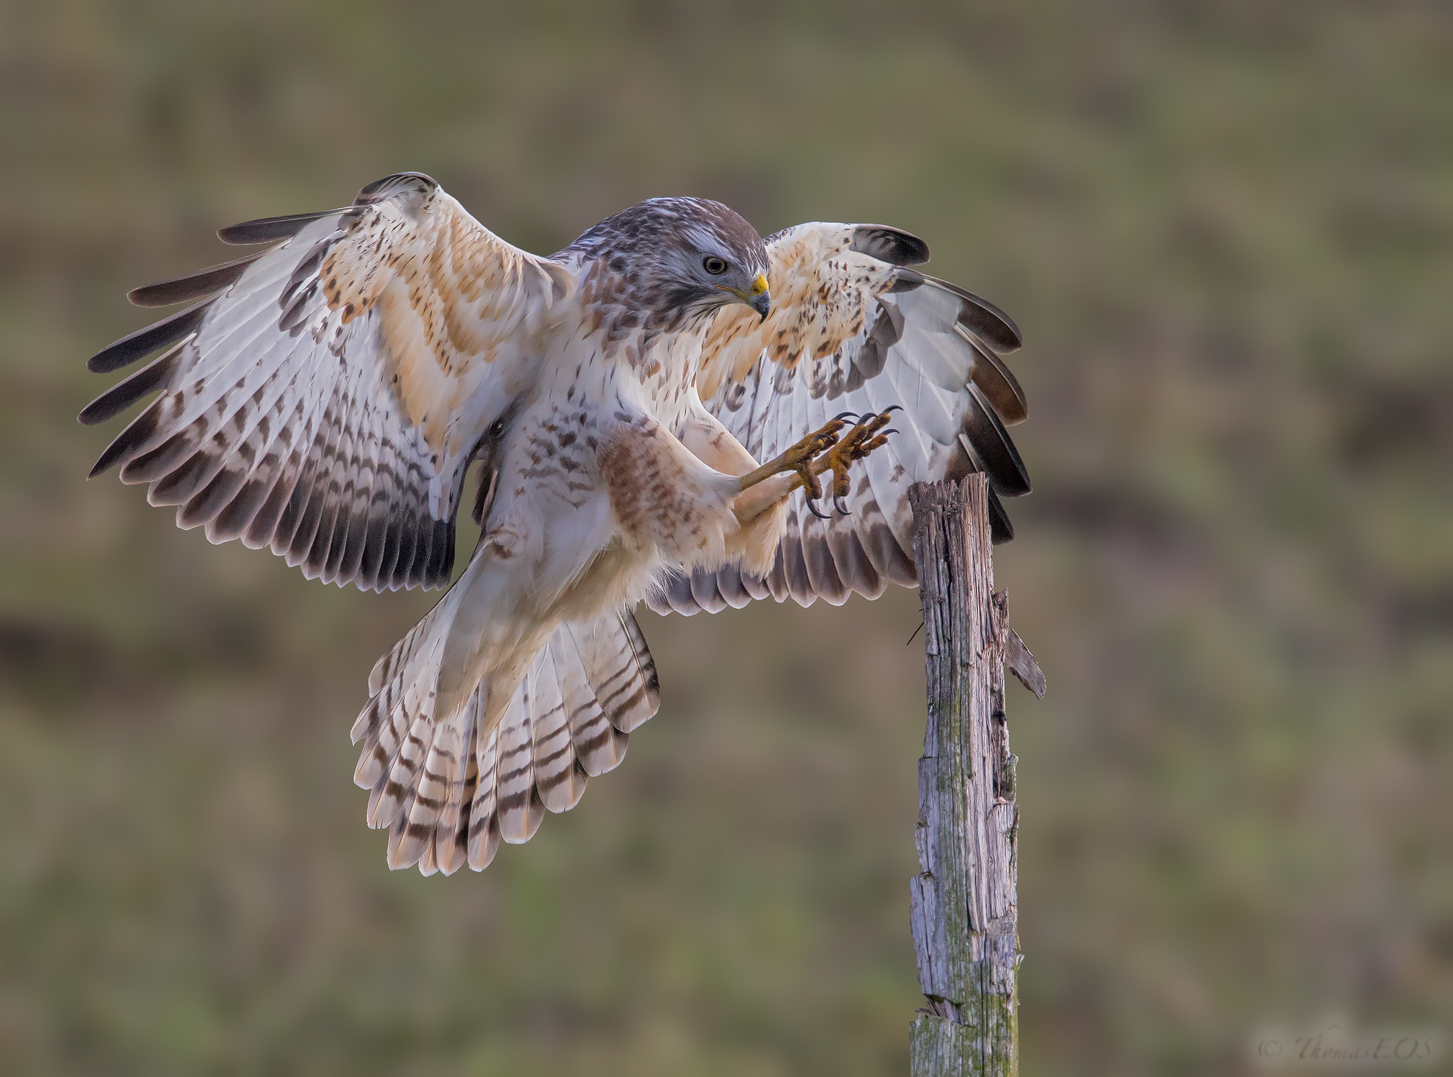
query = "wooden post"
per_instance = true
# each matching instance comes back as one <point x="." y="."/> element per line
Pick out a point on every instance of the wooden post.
<point x="963" y="903"/>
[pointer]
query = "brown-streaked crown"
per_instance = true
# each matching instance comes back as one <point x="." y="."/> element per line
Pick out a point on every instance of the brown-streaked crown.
<point x="652" y="259"/>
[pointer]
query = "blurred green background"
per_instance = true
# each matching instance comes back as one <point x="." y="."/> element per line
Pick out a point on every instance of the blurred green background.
<point x="1226" y="230"/>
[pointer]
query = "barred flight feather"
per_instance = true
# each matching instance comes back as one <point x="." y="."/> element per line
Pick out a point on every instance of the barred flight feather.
<point x="295" y="410"/>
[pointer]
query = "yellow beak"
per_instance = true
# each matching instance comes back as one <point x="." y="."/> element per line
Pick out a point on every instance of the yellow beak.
<point x="761" y="299"/>
<point x="758" y="298"/>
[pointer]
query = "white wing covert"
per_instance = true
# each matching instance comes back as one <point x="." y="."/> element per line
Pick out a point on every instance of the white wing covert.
<point x="852" y="328"/>
<point x="326" y="395"/>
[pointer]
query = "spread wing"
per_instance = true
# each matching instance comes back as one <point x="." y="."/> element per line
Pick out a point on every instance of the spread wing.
<point x="853" y="329"/>
<point x="326" y="395"/>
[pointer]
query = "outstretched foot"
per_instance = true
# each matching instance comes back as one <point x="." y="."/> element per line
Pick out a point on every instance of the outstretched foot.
<point x="802" y="458"/>
<point x="853" y="446"/>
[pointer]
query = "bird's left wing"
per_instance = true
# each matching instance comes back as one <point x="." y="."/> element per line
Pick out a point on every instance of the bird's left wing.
<point x="326" y="395"/>
<point x="853" y="329"/>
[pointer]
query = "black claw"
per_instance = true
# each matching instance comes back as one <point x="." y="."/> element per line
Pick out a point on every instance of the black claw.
<point x="837" y="503"/>
<point x="885" y="433"/>
<point x="813" y="509"/>
<point x="845" y="415"/>
<point x="890" y="409"/>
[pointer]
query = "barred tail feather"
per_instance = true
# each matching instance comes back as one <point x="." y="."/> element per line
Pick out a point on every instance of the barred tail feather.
<point x="450" y="791"/>
<point x="515" y="797"/>
<point x="482" y="839"/>
<point x="559" y="781"/>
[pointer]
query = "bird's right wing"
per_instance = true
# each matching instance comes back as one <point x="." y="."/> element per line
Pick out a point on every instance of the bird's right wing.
<point x="854" y="329"/>
<point x="326" y="395"/>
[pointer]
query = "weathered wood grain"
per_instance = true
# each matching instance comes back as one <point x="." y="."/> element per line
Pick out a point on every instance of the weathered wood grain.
<point x="964" y="901"/>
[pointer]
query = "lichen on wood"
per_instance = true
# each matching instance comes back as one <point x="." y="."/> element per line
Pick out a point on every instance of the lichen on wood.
<point x="964" y="900"/>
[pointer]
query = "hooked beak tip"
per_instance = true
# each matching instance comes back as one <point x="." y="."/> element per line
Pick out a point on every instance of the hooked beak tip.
<point x="762" y="304"/>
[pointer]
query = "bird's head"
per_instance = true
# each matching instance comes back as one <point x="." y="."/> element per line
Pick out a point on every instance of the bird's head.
<point x="683" y="256"/>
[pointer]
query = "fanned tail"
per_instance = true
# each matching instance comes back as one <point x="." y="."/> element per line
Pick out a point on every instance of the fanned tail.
<point x="449" y="791"/>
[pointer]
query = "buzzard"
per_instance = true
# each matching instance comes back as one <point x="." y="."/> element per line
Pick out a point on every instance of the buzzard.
<point x="644" y="405"/>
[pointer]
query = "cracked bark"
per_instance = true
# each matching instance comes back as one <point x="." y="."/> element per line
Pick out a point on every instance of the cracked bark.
<point x="964" y="903"/>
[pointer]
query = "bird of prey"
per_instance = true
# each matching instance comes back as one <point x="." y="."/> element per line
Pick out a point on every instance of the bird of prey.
<point x="644" y="404"/>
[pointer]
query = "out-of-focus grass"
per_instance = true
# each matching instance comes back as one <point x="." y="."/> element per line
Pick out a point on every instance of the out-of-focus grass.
<point x="1226" y="229"/>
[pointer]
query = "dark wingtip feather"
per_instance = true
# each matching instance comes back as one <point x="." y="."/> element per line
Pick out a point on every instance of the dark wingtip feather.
<point x="269" y="229"/>
<point x="984" y="318"/>
<point x="890" y="244"/>
<point x="123" y="394"/>
<point x="408" y="541"/>
<point x="1001" y="528"/>
<point x="144" y="341"/>
<point x="993" y="376"/>
<point x="436" y="568"/>
<point x="990" y="447"/>
<point x="128" y="441"/>
<point x="417" y="572"/>
<point x="442" y="565"/>
<point x="193" y="286"/>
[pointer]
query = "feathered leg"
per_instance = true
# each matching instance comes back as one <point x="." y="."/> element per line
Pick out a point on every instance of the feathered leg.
<point x="760" y="507"/>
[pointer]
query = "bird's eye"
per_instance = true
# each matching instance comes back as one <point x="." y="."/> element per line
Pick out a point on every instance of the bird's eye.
<point x="714" y="265"/>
